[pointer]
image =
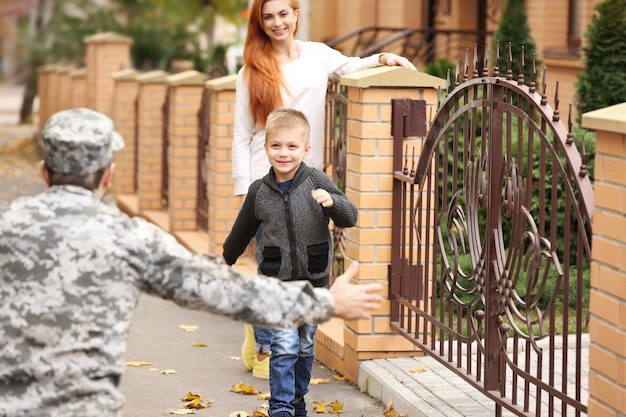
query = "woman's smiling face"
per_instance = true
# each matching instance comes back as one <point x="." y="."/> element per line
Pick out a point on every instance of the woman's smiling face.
<point x="280" y="20"/>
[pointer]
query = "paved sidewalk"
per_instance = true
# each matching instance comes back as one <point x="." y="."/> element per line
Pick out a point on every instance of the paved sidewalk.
<point x="212" y="370"/>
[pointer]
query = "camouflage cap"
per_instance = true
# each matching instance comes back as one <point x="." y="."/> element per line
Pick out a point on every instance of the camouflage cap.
<point x="79" y="141"/>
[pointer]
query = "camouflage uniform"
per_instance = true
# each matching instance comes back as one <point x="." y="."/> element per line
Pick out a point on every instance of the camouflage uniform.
<point x="71" y="271"/>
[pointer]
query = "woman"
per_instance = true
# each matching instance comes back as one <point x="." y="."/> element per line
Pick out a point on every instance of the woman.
<point x="282" y="72"/>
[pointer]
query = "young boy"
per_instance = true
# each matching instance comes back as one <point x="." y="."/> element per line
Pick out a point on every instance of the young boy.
<point x="294" y="203"/>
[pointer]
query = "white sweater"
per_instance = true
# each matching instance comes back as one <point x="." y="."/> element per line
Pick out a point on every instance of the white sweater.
<point x="307" y="80"/>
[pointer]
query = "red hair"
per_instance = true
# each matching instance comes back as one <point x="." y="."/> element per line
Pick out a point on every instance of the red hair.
<point x="262" y="70"/>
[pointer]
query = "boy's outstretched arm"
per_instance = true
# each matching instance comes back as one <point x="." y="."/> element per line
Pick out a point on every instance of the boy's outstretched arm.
<point x="353" y="301"/>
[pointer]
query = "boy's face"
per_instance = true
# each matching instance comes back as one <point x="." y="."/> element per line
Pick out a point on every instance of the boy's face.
<point x="286" y="149"/>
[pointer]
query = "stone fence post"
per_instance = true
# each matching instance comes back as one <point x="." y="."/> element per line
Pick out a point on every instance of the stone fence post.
<point x="151" y="99"/>
<point x="369" y="176"/>
<point x="106" y="53"/>
<point x="124" y="113"/>
<point x="186" y="90"/>
<point x="607" y="305"/>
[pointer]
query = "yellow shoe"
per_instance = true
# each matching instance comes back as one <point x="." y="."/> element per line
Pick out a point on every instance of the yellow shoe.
<point x="248" y="349"/>
<point x="261" y="369"/>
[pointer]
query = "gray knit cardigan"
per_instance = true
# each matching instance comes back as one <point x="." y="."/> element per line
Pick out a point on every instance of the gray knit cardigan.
<point x="296" y="243"/>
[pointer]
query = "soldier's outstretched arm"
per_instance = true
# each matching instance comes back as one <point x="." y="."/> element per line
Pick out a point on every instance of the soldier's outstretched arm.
<point x="354" y="301"/>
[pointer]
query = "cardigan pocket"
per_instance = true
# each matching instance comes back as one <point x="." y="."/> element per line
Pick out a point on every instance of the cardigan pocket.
<point x="270" y="265"/>
<point x="318" y="257"/>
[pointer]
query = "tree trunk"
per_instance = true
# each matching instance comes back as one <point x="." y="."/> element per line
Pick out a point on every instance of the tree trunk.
<point x="30" y="92"/>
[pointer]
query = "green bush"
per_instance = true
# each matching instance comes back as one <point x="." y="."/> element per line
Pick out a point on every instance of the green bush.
<point x="513" y="28"/>
<point x="602" y="82"/>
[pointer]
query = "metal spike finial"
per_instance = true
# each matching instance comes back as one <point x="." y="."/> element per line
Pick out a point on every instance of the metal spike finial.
<point x="509" y="71"/>
<point x="532" y="87"/>
<point x="405" y="169"/>
<point x="465" y="74"/>
<point x="520" y="76"/>
<point x="412" y="173"/>
<point x="458" y="71"/>
<point x="570" y="137"/>
<point x="544" y="95"/>
<point x="556" y="116"/>
<point x="496" y="68"/>
<point x="582" y="173"/>
<point x="448" y="81"/>
<point x="475" y="72"/>
<point x="486" y="60"/>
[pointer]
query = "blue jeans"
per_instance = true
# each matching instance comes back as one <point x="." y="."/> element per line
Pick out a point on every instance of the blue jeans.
<point x="263" y="339"/>
<point x="290" y="369"/>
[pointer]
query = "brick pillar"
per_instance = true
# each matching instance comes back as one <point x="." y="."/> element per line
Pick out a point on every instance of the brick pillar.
<point x="607" y="305"/>
<point x="106" y="53"/>
<point x="52" y="91"/>
<point x="43" y="81"/>
<point x="78" y="96"/>
<point x="152" y="91"/>
<point x="186" y="90"/>
<point x="124" y="116"/>
<point x="369" y="186"/>
<point x="223" y="204"/>
<point x="65" y="87"/>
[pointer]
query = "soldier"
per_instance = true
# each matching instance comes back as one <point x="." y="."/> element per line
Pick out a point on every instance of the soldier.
<point x="72" y="269"/>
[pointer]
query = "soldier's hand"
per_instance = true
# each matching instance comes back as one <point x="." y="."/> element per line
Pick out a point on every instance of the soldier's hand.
<point x="354" y="301"/>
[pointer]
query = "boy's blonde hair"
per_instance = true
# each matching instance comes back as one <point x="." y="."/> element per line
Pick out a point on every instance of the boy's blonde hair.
<point x="287" y="119"/>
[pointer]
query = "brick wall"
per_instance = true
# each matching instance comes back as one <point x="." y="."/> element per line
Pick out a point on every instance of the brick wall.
<point x="124" y="112"/>
<point x="369" y="182"/>
<point x="78" y="88"/>
<point x="106" y="53"/>
<point x="223" y="204"/>
<point x="186" y="90"/>
<point x="151" y="97"/>
<point x="607" y="324"/>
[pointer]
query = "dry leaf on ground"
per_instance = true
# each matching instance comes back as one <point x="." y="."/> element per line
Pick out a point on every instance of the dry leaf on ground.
<point x="167" y="371"/>
<point x="138" y="363"/>
<point x="337" y="407"/>
<point x="320" y="407"/>
<point x="199" y="344"/>
<point x="317" y="381"/>
<point x="339" y="378"/>
<point x="244" y="389"/>
<point x="390" y="412"/>
<point x="181" y="412"/>
<point x="188" y="328"/>
<point x="417" y="370"/>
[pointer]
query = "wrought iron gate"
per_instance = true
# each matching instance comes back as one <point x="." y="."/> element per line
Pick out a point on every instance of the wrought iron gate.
<point x="492" y="241"/>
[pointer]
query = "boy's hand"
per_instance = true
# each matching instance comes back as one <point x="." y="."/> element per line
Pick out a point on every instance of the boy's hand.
<point x="322" y="197"/>
<point x="353" y="301"/>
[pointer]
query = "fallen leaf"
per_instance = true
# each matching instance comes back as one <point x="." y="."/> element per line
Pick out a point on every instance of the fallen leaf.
<point x="258" y="413"/>
<point x="320" y="407"/>
<point x="167" y="371"/>
<point x="241" y="388"/>
<point x="417" y="370"/>
<point x="182" y="411"/>
<point x="194" y="401"/>
<point x="390" y="412"/>
<point x="317" y="381"/>
<point x="264" y="397"/>
<point x="339" y="378"/>
<point x="239" y="414"/>
<point x="235" y="358"/>
<point x="188" y="328"/>
<point x="337" y="407"/>
<point x="132" y="363"/>
<point x="190" y="397"/>
<point x="199" y="344"/>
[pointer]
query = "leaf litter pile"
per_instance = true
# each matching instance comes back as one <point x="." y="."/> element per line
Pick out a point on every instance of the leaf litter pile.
<point x="194" y="402"/>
